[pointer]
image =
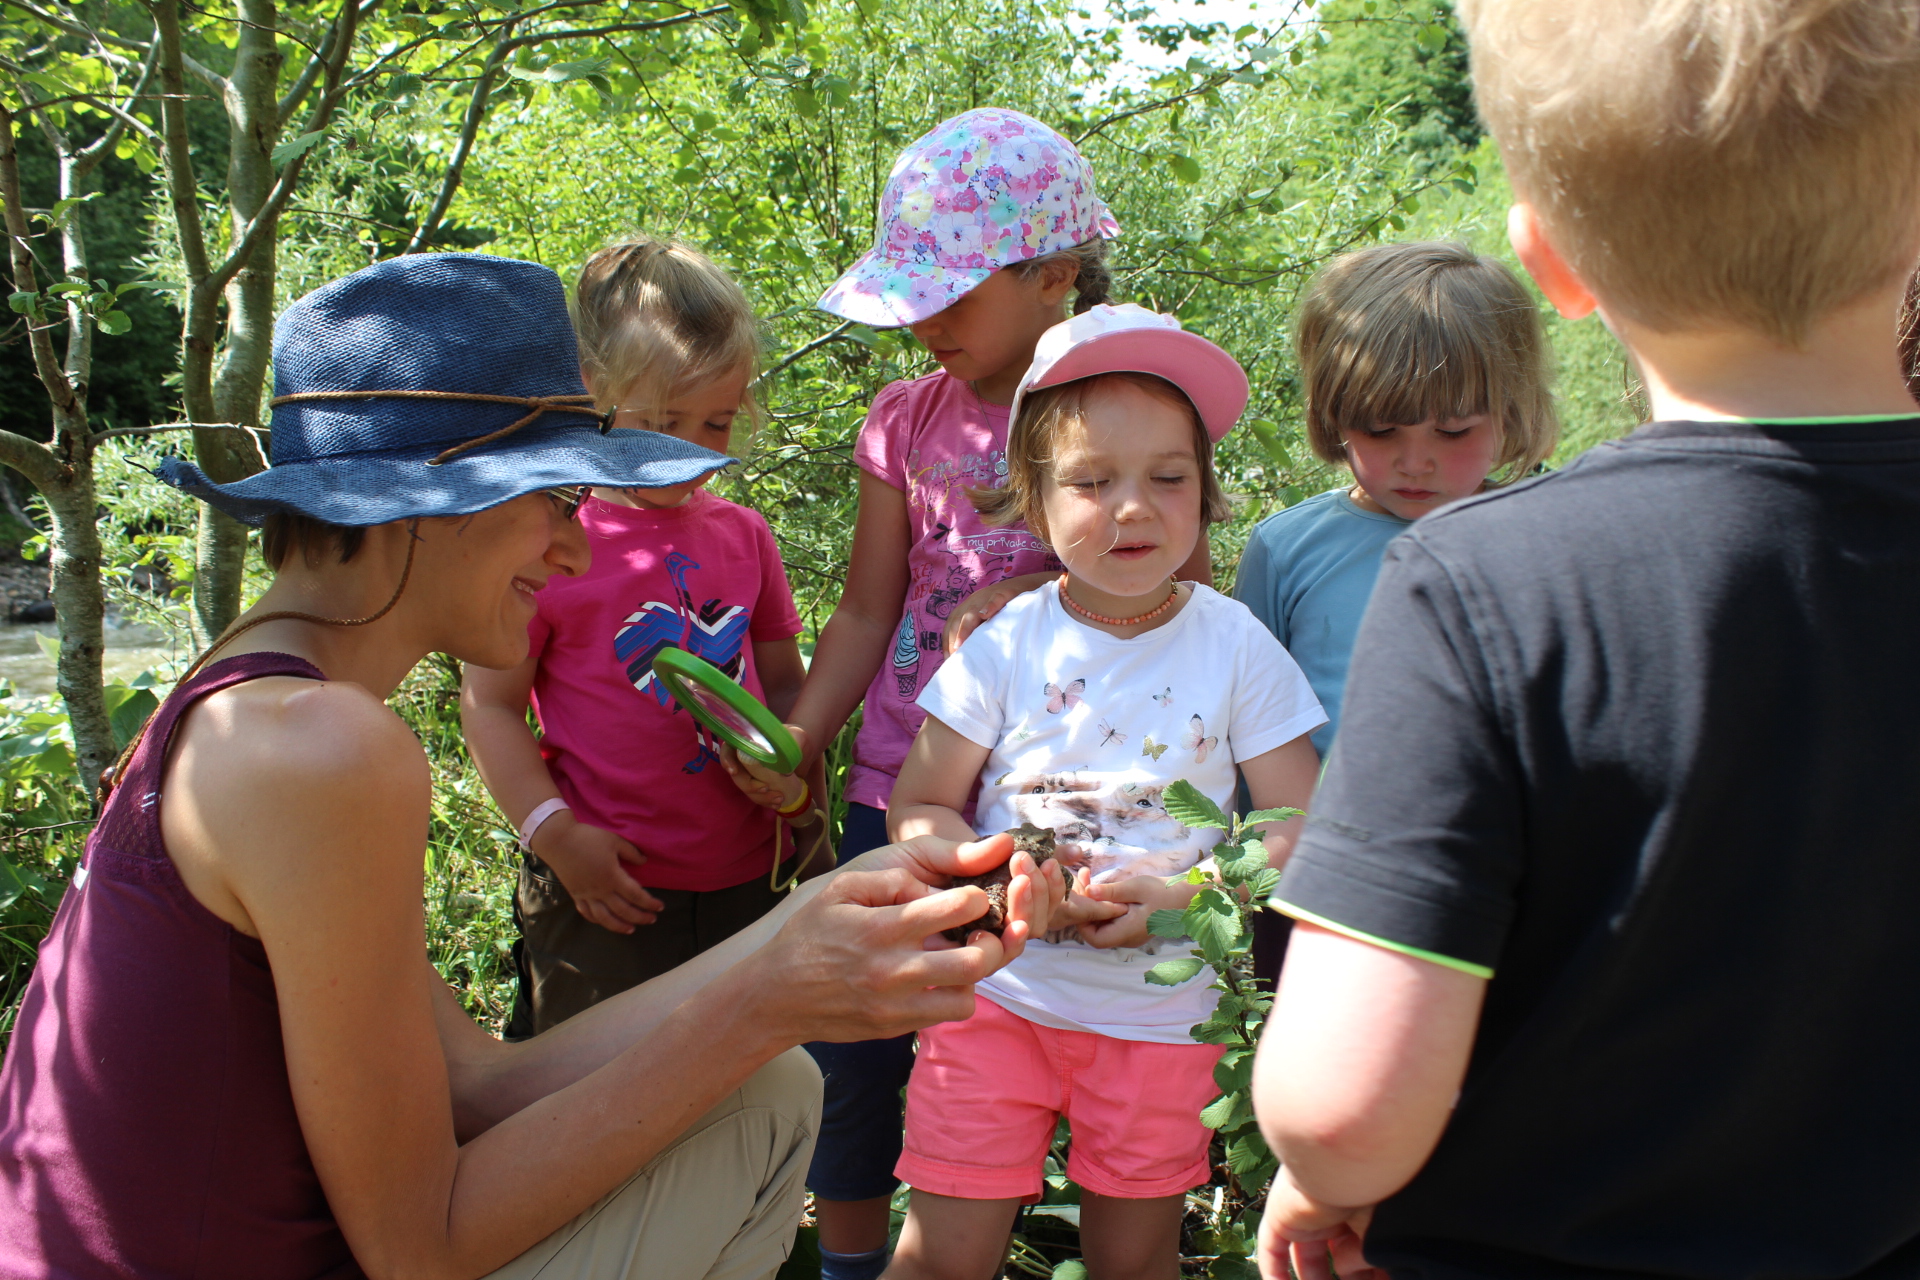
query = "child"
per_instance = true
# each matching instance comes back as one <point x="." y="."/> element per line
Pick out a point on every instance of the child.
<point x="623" y="787"/>
<point x="1425" y="374"/>
<point x="986" y="225"/>
<point x="1607" y="953"/>
<point x="1073" y="709"/>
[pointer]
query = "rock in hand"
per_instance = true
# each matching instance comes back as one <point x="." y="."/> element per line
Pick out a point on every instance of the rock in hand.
<point x="1036" y="843"/>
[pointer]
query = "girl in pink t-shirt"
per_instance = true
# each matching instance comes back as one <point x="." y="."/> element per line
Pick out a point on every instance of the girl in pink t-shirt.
<point x="986" y="226"/>
<point x="641" y="849"/>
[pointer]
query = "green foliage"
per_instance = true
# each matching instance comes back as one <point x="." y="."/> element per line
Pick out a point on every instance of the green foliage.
<point x="1219" y="921"/>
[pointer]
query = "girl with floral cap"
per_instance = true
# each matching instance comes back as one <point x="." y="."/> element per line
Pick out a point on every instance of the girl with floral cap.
<point x="986" y="225"/>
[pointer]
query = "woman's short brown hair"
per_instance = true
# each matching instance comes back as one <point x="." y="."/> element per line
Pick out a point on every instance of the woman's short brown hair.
<point x="287" y="532"/>
<point x="1402" y="333"/>
<point x="1046" y="418"/>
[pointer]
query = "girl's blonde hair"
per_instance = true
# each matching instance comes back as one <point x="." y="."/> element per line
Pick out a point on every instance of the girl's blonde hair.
<point x="1401" y="333"/>
<point x="657" y="318"/>
<point x="1052" y="416"/>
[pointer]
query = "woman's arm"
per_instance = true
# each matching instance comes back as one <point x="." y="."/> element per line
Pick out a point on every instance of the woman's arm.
<point x="303" y="815"/>
<point x="857" y="637"/>
<point x="594" y="864"/>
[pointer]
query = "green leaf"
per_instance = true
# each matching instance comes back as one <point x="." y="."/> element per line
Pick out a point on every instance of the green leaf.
<point x="1232" y="1266"/>
<point x="1249" y="1155"/>
<point x="1071" y="1269"/>
<point x="869" y="9"/>
<point x="1269" y="437"/>
<point x="287" y="152"/>
<point x="1216" y="1113"/>
<point x="113" y="323"/>
<point x="1185" y="168"/>
<point x="1167" y="924"/>
<point x="134" y="706"/>
<point x="1261" y="886"/>
<point x="1432" y="37"/>
<point x="1270" y="815"/>
<point x="403" y="85"/>
<point x="1217" y="932"/>
<point x="1186" y="805"/>
<point x="1234" y="1070"/>
<point x="561" y="72"/>
<point x="805" y="101"/>
<point x="24" y="303"/>
<point x="49" y="645"/>
<point x="1171" y="973"/>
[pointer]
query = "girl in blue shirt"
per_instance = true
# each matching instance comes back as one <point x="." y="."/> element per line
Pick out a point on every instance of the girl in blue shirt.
<point x="1425" y="371"/>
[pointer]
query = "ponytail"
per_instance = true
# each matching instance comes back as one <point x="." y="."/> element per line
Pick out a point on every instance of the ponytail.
<point x="1092" y="281"/>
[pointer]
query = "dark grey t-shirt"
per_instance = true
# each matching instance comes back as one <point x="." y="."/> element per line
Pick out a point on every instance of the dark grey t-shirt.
<point x="1642" y="738"/>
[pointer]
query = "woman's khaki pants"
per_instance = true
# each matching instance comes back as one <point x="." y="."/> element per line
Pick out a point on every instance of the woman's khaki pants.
<point x="721" y="1203"/>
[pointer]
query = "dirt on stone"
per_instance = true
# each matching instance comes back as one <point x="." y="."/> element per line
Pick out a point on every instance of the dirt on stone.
<point x="1036" y="843"/>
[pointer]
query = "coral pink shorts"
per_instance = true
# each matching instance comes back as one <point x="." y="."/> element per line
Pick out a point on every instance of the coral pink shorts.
<point x="985" y="1094"/>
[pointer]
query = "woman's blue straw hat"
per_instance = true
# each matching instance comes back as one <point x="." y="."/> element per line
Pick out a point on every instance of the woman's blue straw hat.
<point x="435" y="384"/>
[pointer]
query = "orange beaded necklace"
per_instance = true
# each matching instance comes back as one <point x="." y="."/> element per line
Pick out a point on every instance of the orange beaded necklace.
<point x="1173" y="595"/>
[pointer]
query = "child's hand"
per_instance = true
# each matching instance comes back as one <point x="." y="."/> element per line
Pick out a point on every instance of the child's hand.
<point x="978" y="607"/>
<point x="758" y="783"/>
<point x="1313" y="1237"/>
<point x="1141" y="896"/>
<point x="1073" y="907"/>
<point x="597" y="867"/>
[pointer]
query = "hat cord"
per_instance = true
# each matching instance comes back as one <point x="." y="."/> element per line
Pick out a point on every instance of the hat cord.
<point x="235" y="630"/>
<point x="538" y="404"/>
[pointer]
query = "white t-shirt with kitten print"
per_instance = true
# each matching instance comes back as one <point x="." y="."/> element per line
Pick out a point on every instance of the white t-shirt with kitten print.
<point x="1086" y="731"/>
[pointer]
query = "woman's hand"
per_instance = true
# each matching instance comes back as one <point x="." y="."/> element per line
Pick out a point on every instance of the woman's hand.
<point x="597" y="867"/>
<point x="1137" y="899"/>
<point x="863" y="958"/>
<point x="1319" y="1240"/>
<point x="984" y="604"/>
<point x="1078" y="907"/>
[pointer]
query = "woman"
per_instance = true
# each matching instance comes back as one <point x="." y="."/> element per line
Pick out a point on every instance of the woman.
<point x="234" y="1058"/>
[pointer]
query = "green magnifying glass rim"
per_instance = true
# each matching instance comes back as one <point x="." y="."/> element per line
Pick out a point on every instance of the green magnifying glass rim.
<point x="683" y="673"/>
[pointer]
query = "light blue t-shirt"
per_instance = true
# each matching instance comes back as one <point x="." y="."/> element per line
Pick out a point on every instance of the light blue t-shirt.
<point x="1307" y="573"/>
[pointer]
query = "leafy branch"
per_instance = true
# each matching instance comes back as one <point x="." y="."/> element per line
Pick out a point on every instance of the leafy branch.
<point x="1219" y="921"/>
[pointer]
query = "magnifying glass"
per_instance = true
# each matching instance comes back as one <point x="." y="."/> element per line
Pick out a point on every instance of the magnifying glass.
<point x="735" y="716"/>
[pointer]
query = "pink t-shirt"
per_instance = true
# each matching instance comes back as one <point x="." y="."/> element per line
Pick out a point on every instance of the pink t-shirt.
<point x="932" y="439"/>
<point x="705" y="577"/>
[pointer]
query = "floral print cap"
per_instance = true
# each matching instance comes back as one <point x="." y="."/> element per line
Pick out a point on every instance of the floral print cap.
<point x="981" y="191"/>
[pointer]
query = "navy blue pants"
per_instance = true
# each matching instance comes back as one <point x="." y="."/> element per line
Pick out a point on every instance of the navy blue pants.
<point x="860" y="1126"/>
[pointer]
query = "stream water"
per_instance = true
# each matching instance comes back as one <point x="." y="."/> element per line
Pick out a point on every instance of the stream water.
<point x="131" y="649"/>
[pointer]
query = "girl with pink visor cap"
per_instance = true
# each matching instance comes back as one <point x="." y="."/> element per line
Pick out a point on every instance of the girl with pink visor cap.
<point x="1074" y="709"/>
<point x="986" y="226"/>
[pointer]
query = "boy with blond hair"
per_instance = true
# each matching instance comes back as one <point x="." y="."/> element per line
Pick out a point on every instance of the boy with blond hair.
<point x="1607" y="959"/>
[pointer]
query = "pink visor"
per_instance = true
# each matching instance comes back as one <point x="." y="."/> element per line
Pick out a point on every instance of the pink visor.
<point x="1132" y="339"/>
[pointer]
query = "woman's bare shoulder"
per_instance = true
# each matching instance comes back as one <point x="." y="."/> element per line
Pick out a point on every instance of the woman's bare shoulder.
<point x="319" y="731"/>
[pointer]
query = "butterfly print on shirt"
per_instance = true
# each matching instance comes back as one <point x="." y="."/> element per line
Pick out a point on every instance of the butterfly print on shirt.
<point x="1195" y="739"/>
<point x="1059" y="699"/>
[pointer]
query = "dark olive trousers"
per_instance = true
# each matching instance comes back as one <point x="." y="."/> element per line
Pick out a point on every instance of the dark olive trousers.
<point x="567" y="963"/>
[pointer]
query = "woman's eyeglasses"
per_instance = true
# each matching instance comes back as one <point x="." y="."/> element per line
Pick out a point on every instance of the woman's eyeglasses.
<point x="570" y="498"/>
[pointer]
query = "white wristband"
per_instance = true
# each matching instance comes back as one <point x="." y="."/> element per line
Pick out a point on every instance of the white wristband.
<point x="541" y="812"/>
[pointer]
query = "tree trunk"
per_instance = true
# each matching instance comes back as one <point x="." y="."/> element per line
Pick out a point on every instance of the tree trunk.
<point x="253" y="119"/>
<point x="77" y="598"/>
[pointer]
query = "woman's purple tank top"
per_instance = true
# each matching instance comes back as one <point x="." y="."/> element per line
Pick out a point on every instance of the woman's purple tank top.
<point x="147" y="1127"/>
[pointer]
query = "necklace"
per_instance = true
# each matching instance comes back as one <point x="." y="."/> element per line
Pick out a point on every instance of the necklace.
<point x="1173" y="594"/>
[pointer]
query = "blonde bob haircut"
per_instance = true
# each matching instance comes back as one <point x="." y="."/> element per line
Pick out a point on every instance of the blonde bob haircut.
<point x="1401" y="333"/>
<point x="1050" y="420"/>
<point x="657" y="318"/>
<point x="1700" y="164"/>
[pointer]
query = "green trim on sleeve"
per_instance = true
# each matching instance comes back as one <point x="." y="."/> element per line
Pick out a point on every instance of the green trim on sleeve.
<point x="1836" y="420"/>
<point x="1447" y="962"/>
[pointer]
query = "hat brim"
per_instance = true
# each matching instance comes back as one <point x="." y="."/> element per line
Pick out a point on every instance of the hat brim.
<point x="1211" y="378"/>
<point x="363" y="489"/>
<point x="885" y="293"/>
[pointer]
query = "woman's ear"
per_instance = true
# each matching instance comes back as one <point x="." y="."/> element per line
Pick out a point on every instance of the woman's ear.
<point x="586" y="380"/>
<point x="1565" y="290"/>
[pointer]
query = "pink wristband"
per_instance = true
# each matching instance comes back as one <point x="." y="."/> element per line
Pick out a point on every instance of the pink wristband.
<point x="541" y="812"/>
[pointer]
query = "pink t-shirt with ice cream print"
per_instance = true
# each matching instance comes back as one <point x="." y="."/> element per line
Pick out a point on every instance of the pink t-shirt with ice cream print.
<point x="932" y="439"/>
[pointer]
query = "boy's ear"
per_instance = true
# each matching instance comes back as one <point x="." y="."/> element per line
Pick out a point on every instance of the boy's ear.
<point x="1565" y="290"/>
